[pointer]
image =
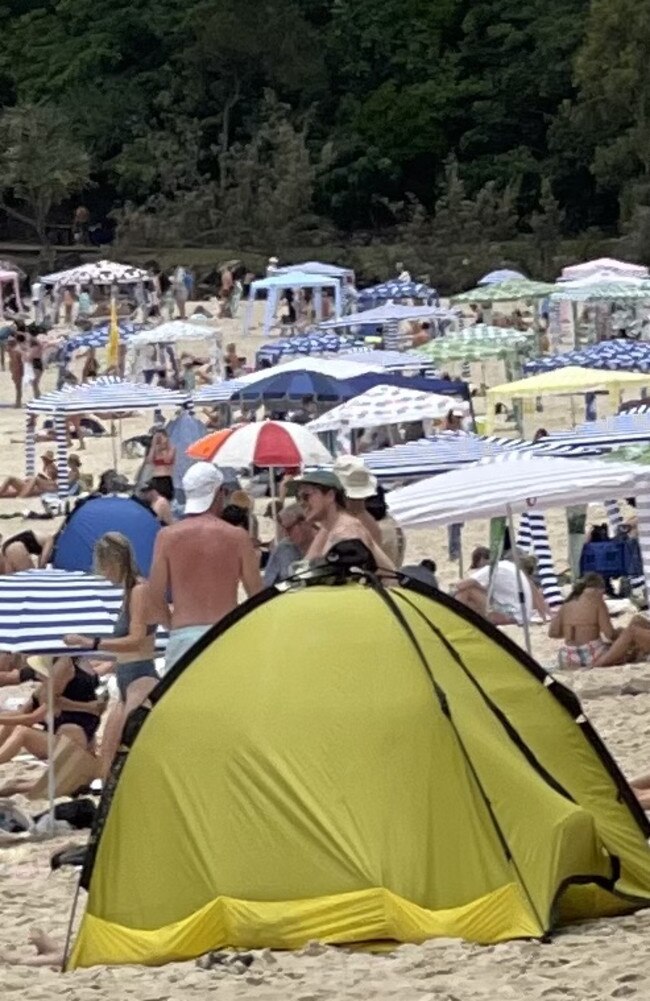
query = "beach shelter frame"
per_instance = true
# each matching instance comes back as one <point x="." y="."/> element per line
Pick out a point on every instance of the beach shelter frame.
<point x="275" y="283"/>
<point x="108" y="394"/>
<point x="176" y="331"/>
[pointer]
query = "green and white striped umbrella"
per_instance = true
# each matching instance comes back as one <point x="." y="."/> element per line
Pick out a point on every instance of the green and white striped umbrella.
<point x="510" y="291"/>
<point x="478" y="343"/>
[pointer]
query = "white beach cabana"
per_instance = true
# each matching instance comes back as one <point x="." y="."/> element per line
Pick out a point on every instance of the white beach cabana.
<point x="275" y="283"/>
<point x="107" y="395"/>
<point x="601" y="267"/>
<point x="317" y="268"/>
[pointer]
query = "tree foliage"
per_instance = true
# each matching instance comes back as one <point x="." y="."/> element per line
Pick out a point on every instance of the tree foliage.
<point x="204" y="119"/>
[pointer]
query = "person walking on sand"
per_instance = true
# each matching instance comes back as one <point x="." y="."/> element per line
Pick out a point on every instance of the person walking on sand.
<point x="16" y="367"/>
<point x="199" y="562"/>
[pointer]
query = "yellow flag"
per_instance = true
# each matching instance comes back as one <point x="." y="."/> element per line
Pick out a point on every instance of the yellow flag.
<point x="113" y="338"/>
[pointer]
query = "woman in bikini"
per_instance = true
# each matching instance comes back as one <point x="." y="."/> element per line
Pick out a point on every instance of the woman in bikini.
<point x="132" y="641"/>
<point x="162" y="456"/>
<point x="32" y="486"/>
<point x="583" y="622"/>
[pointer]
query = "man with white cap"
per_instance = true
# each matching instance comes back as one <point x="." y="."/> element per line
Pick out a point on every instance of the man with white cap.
<point x="199" y="562"/>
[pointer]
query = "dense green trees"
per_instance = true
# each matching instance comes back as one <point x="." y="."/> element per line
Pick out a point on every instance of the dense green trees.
<point x="212" y="120"/>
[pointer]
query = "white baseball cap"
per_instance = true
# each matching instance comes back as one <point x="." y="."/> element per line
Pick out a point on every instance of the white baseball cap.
<point x="200" y="483"/>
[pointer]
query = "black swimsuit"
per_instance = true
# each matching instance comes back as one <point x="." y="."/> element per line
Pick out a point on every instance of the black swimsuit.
<point x="81" y="688"/>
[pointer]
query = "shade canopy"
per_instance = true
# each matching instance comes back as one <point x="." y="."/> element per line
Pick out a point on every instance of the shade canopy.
<point x="39" y="607"/>
<point x="335" y="368"/>
<point x="98" y="273"/>
<point x="478" y="343"/>
<point x="294" y="385"/>
<point x="523" y="483"/>
<point x="98" y="337"/>
<point x="603" y="288"/>
<point x="603" y="265"/>
<point x="391" y="312"/>
<point x="175" y="330"/>
<point x="567" y="380"/>
<point x="617" y="356"/>
<point x="293" y="279"/>
<point x="279" y="444"/>
<point x="509" y="291"/>
<point x="450" y="450"/>
<point x="395" y="290"/>
<point x="316" y="268"/>
<point x="391" y="361"/>
<point x="501" y="275"/>
<point x="384" y="405"/>
<point x="106" y="395"/>
<point x="611" y="432"/>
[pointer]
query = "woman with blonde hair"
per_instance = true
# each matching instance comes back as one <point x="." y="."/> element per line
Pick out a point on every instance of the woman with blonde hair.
<point x="133" y="637"/>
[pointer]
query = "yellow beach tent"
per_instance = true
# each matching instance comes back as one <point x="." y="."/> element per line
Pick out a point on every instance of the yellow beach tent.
<point x="353" y="764"/>
<point x="560" y="382"/>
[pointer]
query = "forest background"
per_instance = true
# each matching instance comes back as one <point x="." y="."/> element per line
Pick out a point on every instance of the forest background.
<point x="456" y="135"/>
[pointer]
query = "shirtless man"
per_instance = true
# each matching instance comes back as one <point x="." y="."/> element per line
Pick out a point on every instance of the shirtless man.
<point x="200" y="561"/>
<point x="158" y="504"/>
<point x="321" y="496"/>
<point x="16" y="368"/>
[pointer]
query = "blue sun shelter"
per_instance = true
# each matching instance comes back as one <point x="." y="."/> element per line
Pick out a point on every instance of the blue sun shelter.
<point x="92" y="518"/>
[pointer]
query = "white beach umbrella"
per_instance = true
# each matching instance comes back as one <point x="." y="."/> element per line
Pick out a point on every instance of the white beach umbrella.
<point x="383" y="405"/>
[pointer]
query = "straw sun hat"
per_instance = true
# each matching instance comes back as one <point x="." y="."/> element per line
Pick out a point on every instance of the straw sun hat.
<point x="357" y="481"/>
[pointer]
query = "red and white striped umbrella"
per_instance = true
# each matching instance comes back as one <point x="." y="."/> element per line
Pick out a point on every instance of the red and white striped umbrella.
<point x="278" y="444"/>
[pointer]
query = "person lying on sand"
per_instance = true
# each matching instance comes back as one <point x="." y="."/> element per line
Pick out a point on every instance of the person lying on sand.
<point x="583" y="622"/>
<point x="32" y="486"/>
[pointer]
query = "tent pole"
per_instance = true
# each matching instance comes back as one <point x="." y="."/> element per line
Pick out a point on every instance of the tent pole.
<point x="493" y="565"/>
<point x="274" y="503"/>
<point x="114" y="446"/>
<point x="520" y="582"/>
<point x="51" y="777"/>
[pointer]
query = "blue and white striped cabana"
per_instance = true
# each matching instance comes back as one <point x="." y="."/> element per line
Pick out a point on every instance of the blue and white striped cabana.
<point x="106" y="395"/>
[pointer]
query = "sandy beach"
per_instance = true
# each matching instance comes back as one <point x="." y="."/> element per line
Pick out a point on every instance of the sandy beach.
<point x="604" y="959"/>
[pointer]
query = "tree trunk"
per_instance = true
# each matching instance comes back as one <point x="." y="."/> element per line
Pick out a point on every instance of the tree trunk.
<point x="224" y="141"/>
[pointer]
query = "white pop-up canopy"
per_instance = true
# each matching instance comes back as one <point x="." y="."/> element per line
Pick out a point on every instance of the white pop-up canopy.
<point x="608" y="266"/>
<point x="522" y="483"/>
<point x="175" y="332"/>
<point x="296" y="280"/>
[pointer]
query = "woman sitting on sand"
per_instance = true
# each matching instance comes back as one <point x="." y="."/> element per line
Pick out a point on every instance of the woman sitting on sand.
<point x="32" y="486"/>
<point x="584" y="624"/>
<point x="132" y="640"/>
<point x="78" y="713"/>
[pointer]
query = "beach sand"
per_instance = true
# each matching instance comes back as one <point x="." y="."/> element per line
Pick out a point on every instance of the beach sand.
<point x="603" y="959"/>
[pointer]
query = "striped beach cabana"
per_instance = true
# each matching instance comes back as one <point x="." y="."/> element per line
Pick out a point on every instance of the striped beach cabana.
<point x="106" y="395"/>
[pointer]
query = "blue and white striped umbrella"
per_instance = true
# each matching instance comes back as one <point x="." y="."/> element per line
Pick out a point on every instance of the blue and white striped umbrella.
<point x="217" y="392"/>
<point x="38" y="608"/>
<point x="619" y="355"/>
<point x="446" y="452"/>
<point x="375" y="295"/>
<point x="105" y="395"/>
<point x="98" y="337"/>
<point x="609" y="433"/>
